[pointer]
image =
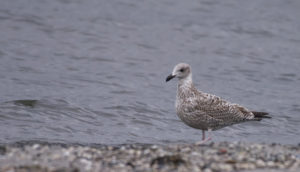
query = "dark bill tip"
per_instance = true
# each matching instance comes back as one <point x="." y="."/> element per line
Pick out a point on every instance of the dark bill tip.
<point x="170" y="77"/>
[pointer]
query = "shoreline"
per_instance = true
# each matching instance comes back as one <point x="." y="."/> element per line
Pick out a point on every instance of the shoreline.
<point x="223" y="156"/>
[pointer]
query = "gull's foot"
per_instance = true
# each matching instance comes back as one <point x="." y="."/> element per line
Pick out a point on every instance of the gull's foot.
<point x="202" y="142"/>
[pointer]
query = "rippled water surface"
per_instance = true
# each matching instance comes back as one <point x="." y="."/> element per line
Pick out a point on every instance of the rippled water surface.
<point x="94" y="71"/>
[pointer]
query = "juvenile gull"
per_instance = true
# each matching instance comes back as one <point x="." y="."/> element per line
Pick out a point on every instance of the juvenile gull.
<point x="205" y="111"/>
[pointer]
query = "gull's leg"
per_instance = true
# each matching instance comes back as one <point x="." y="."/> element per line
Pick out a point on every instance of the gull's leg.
<point x="209" y="134"/>
<point x="204" y="140"/>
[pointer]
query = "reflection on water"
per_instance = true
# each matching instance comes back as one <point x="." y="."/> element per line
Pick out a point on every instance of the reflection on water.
<point x="92" y="72"/>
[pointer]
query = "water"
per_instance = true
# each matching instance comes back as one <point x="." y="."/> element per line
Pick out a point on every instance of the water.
<point x="93" y="72"/>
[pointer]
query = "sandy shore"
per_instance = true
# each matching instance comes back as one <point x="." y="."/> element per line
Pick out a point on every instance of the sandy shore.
<point x="184" y="157"/>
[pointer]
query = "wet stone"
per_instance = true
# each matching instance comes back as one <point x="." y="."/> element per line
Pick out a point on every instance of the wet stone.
<point x="211" y="158"/>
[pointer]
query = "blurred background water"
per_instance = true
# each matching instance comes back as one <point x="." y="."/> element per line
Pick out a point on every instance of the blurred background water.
<point x="94" y="71"/>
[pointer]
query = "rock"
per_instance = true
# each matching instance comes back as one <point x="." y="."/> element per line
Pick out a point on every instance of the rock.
<point x="270" y="164"/>
<point x="214" y="157"/>
<point x="260" y="163"/>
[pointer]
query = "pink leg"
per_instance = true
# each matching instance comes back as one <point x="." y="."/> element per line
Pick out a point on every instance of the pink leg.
<point x="209" y="134"/>
<point x="204" y="140"/>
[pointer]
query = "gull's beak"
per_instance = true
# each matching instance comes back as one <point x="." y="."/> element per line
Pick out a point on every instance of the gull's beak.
<point x="170" y="77"/>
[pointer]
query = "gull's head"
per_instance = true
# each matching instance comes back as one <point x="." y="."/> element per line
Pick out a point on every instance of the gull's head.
<point x="180" y="71"/>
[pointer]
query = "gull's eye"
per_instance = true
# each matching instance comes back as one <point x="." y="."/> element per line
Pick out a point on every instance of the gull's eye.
<point x="181" y="70"/>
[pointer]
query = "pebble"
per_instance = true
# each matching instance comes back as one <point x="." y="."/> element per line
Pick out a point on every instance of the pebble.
<point x="270" y="164"/>
<point x="214" y="157"/>
<point x="154" y="147"/>
<point x="260" y="163"/>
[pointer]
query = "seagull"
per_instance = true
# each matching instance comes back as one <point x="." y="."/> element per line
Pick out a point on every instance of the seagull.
<point x="206" y="111"/>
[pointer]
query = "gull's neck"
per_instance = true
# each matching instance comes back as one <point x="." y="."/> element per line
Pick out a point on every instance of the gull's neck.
<point x="185" y="84"/>
<point x="184" y="89"/>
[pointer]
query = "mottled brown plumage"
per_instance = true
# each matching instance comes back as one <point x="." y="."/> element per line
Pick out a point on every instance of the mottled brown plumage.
<point x="205" y="111"/>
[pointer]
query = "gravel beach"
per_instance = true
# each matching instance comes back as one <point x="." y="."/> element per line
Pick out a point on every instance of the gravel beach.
<point x="212" y="157"/>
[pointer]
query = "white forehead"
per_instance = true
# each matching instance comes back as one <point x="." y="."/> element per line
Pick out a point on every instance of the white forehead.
<point x="181" y="65"/>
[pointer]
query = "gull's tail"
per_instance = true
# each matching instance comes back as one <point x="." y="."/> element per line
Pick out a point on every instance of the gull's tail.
<point x="261" y="115"/>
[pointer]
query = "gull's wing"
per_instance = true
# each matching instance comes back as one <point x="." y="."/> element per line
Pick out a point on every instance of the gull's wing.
<point x="219" y="109"/>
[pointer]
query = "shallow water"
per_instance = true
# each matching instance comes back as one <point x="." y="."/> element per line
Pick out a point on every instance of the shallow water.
<point x="93" y="72"/>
